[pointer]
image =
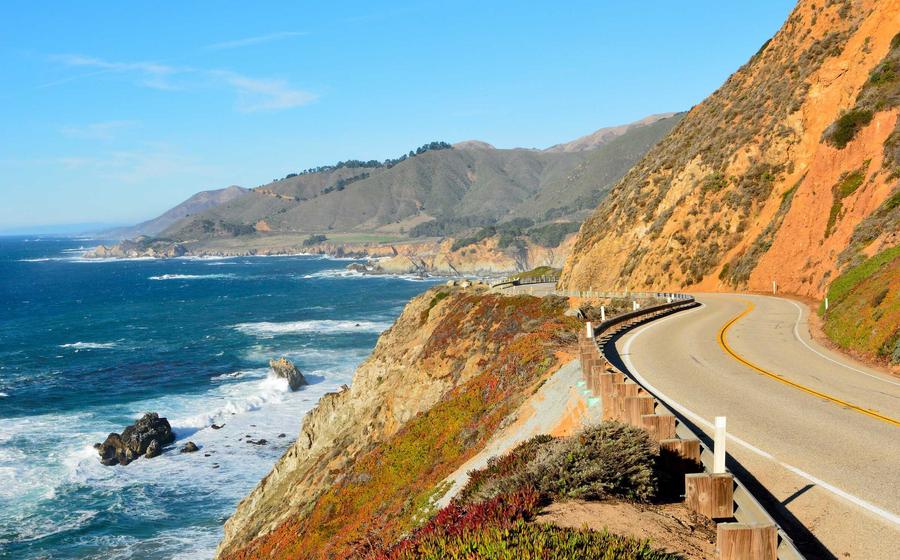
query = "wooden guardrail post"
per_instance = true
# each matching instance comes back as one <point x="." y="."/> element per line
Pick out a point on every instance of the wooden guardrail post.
<point x="607" y="381"/>
<point x="660" y="426"/>
<point x="710" y="494"/>
<point x="636" y="408"/>
<point x="743" y="541"/>
<point x="685" y="452"/>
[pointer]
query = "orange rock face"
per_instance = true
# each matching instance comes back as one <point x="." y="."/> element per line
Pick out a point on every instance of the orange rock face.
<point x="744" y="191"/>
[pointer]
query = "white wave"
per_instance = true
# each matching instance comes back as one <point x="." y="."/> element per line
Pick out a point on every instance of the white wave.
<point x="190" y="276"/>
<point x="89" y="345"/>
<point x="240" y="374"/>
<point x="333" y="273"/>
<point x="266" y="329"/>
<point x="269" y="390"/>
<point x="2" y="394"/>
<point x="42" y="259"/>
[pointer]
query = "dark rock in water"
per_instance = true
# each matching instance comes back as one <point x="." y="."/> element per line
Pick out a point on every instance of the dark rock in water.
<point x="282" y="435"/>
<point x="145" y="437"/>
<point x="217" y="427"/>
<point x="153" y="450"/>
<point x="189" y="447"/>
<point x="257" y="442"/>
<point x="285" y="369"/>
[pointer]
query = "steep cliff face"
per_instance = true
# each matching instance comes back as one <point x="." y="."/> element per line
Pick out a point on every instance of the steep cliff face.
<point x="369" y="458"/>
<point x="785" y="174"/>
<point x="484" y="257"/>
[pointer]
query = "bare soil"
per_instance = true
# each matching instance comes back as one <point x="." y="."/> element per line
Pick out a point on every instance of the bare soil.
<point x="669" y="526"/>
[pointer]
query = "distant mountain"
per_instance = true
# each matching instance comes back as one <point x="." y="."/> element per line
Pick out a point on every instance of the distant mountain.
<point x="438" y="190"/>
<point x="605" y="135"/>
<point x="473" y="145"/>
<point x="194" y="205"/>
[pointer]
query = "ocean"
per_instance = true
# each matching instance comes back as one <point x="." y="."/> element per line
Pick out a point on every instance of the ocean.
<point x="87" y="346"/>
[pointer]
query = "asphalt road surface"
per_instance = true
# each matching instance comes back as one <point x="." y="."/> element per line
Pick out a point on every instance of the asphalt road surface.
<point x="819" y="431"/>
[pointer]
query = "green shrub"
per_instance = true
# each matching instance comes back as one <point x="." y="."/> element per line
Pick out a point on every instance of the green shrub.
<point x="314" y="240"/>
<point x="845" y="128"/>
<point x="610" y="459"/>
<point x="846" y="282"/>
<point x="551" y="235"/>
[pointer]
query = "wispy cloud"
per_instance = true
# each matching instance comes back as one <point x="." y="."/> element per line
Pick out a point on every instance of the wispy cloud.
<point x="97" y="131"/>
<point x="253" y="94"/>
<point x="256" y="94"/>
<point x="259" y="39"/>
<point x="150" y="74"/>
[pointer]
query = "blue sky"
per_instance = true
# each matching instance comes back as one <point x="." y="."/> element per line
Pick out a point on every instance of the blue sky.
<point x="115" y="111"/>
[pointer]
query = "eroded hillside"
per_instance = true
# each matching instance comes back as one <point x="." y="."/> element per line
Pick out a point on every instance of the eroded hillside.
<point x="786" y="173"/>
<point x="368" y="459"/>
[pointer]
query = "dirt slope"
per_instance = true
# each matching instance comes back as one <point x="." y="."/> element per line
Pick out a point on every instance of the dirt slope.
<point x="764" y="180"/>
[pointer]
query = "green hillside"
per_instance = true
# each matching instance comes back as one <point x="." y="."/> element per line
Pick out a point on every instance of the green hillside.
<point x="450" y="189"/>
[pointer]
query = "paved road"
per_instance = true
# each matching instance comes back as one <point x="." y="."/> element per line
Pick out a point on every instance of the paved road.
<point x="820" y="432"/>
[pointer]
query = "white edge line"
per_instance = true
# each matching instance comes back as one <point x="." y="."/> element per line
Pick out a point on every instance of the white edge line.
<point x="694" y="417"/>
<point x="803" y="342"/>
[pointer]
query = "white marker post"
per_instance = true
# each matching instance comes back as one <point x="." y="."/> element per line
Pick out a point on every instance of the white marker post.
<point x="774" y="287"/>
<point x="603" y="313"/>
<point x="634" y="305"/>
<point x="719" y="447"/>
<point x="589" y="330"/>
<point x="826" y="304"/>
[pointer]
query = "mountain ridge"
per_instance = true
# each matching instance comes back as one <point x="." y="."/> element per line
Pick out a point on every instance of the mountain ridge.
<point x="196" y="203"/>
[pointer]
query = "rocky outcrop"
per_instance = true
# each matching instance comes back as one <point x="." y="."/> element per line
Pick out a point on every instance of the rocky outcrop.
<point x="436" y="257"/>
<point x="141" y="247"/>
<point x="189" y="447"/>
<point x="285" y="369"/>
<point x="754" y="186"/>
<point x="391" y="387"/>
<point x="146" y="437"/>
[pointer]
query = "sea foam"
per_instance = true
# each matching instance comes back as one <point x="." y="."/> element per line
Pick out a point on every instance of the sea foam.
<point x="89" y="345"/>
<point x="266" y="329"/>
<point x="191" y="276"/>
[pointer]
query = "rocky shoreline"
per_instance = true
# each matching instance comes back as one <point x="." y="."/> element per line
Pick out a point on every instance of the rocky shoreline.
<point x="428" y="257"/>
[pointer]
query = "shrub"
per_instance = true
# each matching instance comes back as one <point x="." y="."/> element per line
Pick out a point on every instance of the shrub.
<point x="551" y="235"/>
<point x="314" y="240"/>
<point x="610" y="459"/>
<point x="434" y="301"/>
<point x="502" y="474"/>
<point x="845" y="128"/>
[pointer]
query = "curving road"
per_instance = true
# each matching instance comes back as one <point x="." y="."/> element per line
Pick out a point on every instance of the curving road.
<point x="819" y="432"/>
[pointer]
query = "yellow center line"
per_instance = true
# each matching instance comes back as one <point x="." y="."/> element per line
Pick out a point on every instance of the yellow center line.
<point x="723" y="342"/>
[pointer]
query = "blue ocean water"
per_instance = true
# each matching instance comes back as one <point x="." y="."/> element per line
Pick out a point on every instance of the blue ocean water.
<point x="87" y="346"/>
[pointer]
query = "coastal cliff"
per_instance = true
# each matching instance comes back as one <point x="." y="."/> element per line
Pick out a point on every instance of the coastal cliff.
<point x="436" y="256"/>
<point x="369" y="459"/>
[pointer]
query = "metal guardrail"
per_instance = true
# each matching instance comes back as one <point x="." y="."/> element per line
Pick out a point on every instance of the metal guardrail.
<point x="747" y="509"/>
<point x="592" y="294"/>
<point x="507" y="282"/>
